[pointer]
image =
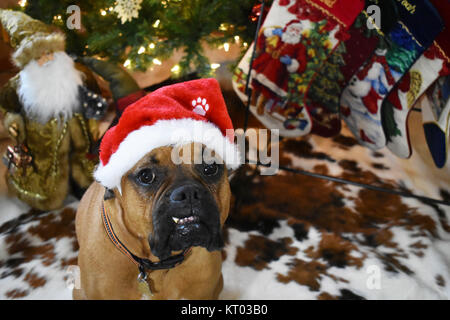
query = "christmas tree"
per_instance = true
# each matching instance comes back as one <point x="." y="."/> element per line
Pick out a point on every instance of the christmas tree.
<point x="142" y="33"/>
<point x="326" y="88"/>
<point x="400" y="59"/>
<point x="390" y="127"/>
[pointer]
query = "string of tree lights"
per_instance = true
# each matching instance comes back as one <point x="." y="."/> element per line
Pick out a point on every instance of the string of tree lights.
<point x="143" y="33"/>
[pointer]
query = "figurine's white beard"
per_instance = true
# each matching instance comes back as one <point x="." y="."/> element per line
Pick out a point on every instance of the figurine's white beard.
<point x="50" y="90"/>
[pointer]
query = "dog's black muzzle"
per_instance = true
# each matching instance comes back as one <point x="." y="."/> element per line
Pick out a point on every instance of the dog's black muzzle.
<point x="186" y="215"/>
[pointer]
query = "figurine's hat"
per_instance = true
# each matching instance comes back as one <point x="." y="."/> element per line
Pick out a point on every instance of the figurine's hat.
<point x="30" y="38"/>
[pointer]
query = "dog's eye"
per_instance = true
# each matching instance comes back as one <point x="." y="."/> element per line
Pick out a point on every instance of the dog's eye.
<point x="146" y="176"/>
<point x="210" y="169"/>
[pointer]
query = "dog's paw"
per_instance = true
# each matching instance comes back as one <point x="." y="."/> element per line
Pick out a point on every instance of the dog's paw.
<point x="200" y="106"/>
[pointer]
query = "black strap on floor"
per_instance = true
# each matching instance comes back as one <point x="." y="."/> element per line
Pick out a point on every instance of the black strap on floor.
<point x="361" y="185"/>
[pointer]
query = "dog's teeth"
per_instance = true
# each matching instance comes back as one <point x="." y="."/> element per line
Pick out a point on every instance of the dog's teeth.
<point x="184" y="220"/>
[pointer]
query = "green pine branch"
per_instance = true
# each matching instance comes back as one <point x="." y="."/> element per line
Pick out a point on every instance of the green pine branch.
<point x="182" y="25"/>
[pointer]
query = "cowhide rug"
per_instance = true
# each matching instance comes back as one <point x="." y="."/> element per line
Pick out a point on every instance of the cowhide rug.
<point x="287" y="237"/>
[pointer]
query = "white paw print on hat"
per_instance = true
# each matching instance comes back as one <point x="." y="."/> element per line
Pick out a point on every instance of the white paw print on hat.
<point x="200" y="106"/>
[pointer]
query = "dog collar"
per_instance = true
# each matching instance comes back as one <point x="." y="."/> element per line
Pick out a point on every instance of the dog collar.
<point x="142" y="264"/>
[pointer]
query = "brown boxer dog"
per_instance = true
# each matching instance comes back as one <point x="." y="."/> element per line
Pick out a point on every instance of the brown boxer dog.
<point x="163" y="213"/>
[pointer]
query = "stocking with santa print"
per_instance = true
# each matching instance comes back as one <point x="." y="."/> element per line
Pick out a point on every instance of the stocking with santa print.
<point x="435" y="62"/>
<point x="436" y="120"/>
<point x="362" y="99"/>
<point x="323" y="95"/>
<point x="296" y="37"/>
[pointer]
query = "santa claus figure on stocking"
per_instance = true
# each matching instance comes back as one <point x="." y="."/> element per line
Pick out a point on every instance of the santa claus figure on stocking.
<point x="279" y="53"/>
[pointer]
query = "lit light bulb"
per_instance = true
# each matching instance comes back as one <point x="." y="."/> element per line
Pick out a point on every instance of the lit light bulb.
<point x="226" y="46"/>
<point x="22" y="3"/>
<point x="214" y="66"/>
<point x="156" y="24"/>
<point x="141" y="50"/>
<point x="157" y="62"/>
<point x="103" y="12"/>
<point x="236" y="38"/>
<point x="151" y="45"/>
<point x="127" y="63"/>
<point x="175" y="69"/>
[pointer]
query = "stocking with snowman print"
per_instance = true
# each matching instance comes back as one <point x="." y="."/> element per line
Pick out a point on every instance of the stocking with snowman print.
<point x="362" y="99"/>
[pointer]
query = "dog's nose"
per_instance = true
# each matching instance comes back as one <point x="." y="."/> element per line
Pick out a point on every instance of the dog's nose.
<point x="186" y="193"/>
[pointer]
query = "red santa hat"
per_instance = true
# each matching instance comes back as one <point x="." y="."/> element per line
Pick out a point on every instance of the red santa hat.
<point x="175" y="115"/>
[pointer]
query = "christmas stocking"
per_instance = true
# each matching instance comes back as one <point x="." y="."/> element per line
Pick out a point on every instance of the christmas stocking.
<point x="362" y="99"/>
<point x="433" y="63"/>
<point x="295" y="39"/>
<point x="326" y="88"/>
<point x="436" y="120"/>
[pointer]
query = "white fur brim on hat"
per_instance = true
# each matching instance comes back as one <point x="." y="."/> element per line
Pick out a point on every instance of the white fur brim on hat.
<point x="176" y="132"/>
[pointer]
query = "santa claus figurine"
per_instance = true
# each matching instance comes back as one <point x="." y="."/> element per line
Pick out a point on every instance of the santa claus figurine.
<point x="279" y="53"/>
<point x="44" y="109"/>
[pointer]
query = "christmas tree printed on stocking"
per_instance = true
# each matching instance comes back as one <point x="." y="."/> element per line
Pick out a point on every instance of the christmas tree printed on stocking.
<point x="435" y="62"/>
<point x="362" y="99"/>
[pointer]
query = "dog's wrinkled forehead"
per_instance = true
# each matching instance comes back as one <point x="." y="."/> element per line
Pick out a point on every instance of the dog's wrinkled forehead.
<point x="179" y="156"/>
<point x="160" y="156"/>
<point x="177" y="162"/>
